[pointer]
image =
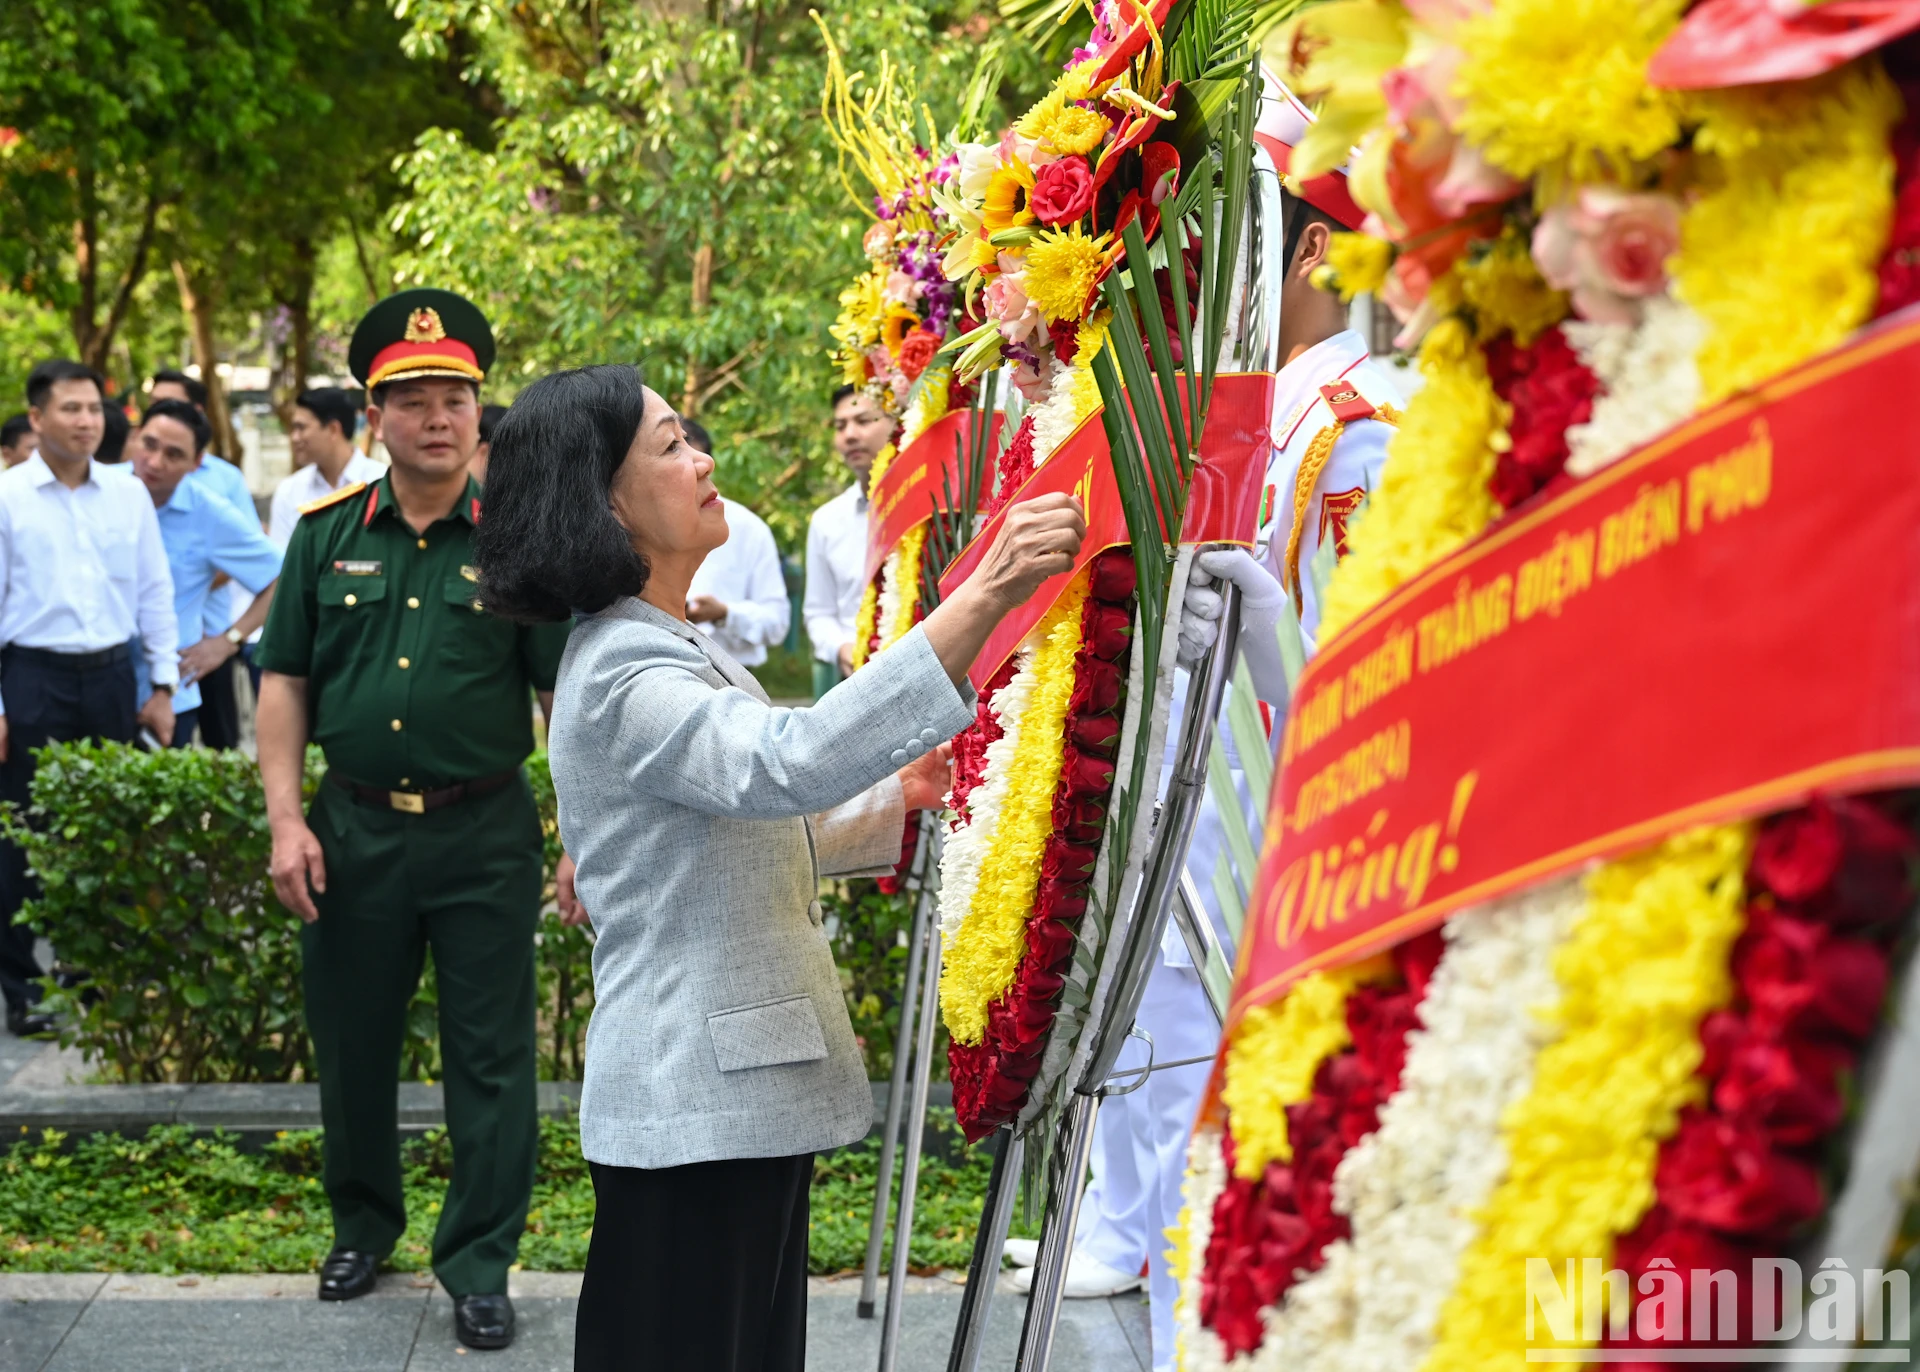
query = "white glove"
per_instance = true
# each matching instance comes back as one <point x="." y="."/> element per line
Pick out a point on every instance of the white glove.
<point x="1263" y="601"/>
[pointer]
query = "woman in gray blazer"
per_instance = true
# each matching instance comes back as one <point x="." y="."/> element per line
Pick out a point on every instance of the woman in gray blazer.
<point x="701" y="818"/>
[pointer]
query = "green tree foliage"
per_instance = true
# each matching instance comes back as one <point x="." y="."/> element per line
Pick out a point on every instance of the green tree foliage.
<point x="664" y="190"/>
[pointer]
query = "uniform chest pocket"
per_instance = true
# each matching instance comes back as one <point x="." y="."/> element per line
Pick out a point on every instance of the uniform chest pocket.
<point x="477" y="639"/>
<point x="339" y="591"/>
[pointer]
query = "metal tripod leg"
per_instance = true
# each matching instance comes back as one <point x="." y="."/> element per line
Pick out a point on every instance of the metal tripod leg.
<point x="910" y="1165"/>
<point x="983" y="1272"/>
<point x="902" y="1054"/>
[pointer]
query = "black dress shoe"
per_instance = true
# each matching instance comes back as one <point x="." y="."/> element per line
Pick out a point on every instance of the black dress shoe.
<point x="483" y="1321"/>
<point x="347" y="1273"/>
<point x="23" y="1023"/>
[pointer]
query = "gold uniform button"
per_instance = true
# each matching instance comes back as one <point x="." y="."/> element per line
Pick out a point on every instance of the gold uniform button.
<point x="353" y="600"/>
<point x="413" y="602"/>
<point x="396" y="726"/>
<point x="423" y="543"/>
<point x="404" y="664"/>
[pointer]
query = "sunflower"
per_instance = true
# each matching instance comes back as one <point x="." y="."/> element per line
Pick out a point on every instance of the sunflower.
<point x="900" y="321"/>
<point x="1063" y="269"/>
<point x="1007" y="195"/>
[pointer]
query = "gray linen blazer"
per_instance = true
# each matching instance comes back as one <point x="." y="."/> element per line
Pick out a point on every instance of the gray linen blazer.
<point x="701" y="819"/>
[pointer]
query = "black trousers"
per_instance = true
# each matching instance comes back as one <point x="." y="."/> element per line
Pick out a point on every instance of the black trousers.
<point x="701" y="1268"/>
<point x="220" y="707"/>
<point x="50" y="698"/>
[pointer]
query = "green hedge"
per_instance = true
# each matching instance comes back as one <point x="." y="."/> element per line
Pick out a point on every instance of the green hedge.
<point x="154" y="869"/>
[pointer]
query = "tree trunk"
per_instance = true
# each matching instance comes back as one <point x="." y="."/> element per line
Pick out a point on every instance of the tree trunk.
<point x="296" y="350"/>
<point x="92" y="337"/>
<point x="702" y="297"/>
<point x="200" y="313"/>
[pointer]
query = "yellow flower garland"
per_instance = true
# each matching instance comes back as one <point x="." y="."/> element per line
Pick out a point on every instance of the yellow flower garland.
<point x="1527" y="110"/>
<point x="906" y="585"/>
<point x="1275" y="1052"/>
<point x="985" y="951"/>
<point x="1432" y="495"/>
<point x="1646" y="963"/>
<point x="869" y="612"/>
<point x="1802" y="216"/>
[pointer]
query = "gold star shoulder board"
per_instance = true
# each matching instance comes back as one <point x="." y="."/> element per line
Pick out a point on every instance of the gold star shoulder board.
<point x="346" y="492"/>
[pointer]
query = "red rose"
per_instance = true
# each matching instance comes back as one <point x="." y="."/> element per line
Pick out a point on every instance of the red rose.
<point x="1062" y="191"/>
<point x="1726" y="1175"/>
<point x="1791" y="1088"/>
<point x="1379" y="1021"/>
<point x="1106" y="629"/>
<point x="1067" y="862"/>
<point x="1096" y="734"/>
<point x="1800" y="977"/>
<point x="1097" y="688"/>
<point x="1080" y="819"/>
<point x="1689" y="1247"/>
<point x="1900" y="268"/>
<point x="1720" y="1033"/>
<point x="1113" y="576"/>
<point x="916" y="351"/>
<point x="1084" y="774"/>
<point x="1840" y="859"/>
<point x="1049" y="940"/>
<point x="1416" y="958"/>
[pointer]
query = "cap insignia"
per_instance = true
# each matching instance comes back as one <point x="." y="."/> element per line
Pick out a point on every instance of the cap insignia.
<point x="424" y="326"/>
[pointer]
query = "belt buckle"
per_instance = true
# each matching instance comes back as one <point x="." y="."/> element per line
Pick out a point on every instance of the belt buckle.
<point x="410" y="802"/>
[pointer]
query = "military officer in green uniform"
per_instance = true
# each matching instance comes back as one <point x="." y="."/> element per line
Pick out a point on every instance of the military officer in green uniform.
<point x="424" y="833"/>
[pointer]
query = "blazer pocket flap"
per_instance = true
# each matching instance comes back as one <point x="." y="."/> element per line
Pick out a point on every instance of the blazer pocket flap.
<point x="767" y="1035"/>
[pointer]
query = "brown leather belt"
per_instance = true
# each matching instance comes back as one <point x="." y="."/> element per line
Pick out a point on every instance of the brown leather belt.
<point x="419" y="802"/>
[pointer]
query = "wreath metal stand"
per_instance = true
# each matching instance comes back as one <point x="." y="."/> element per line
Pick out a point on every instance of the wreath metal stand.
<point x="925" y="862"/>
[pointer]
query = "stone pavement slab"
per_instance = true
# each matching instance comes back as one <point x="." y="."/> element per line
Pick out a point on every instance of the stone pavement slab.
<point x="92" y="1322"/>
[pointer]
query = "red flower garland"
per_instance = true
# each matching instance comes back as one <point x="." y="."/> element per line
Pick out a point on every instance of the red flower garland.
<point x="1549" y="388"/>
<point x="1271" y="1232"/>
<point x="991" y="1078"/>
<point x="1016" y="465"/>
<point x="1828" y="886"/>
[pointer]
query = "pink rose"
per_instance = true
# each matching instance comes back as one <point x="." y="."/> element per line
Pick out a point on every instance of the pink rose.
<point x="1062" y="192"/>
<point x="1610" y="249"/>
<point x="1006" y="303"/>
<point x="901" y="288"/>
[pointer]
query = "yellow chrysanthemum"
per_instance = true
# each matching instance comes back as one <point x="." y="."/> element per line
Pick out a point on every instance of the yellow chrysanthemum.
<point x="1007" y="194"/>
<point x="1062" y="269"/>
<point x="1550" y="82"/>
<point x="985" y="951"/>
<point x="861" y="305"/>
<point x="1506" y="293"/>
<point x="1645" y="964"/>
<point x="1351" y="45"/>
<point x="1780" y="258"/>
<point x="1432" y="495"/>
<point x="1275" y="1051"/>
<point x="1357" y="264"/>
<point x="1062" y="126"/>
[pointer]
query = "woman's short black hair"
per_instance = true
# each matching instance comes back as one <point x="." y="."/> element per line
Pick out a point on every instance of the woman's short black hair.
<point x="547" y="542"/>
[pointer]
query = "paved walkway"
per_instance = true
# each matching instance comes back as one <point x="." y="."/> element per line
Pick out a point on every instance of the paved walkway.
<point x="97" y="1322"/>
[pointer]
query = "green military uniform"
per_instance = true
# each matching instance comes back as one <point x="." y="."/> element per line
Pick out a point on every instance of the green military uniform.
<point x="422" y="703"/>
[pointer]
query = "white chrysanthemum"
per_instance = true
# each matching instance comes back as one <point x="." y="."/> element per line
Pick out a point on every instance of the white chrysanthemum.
<point x="1412" y="1188"/>
<point x="1198" y="1348"/>
<point x="886" y="618"/>
<point x="1649" y="379"/>
<point x="1053" y="418"/>
<point x="966" y="847"/>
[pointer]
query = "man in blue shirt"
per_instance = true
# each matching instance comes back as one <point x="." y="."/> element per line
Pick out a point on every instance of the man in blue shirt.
<point x="219" y="707"/>
<point x="204" y="537"/>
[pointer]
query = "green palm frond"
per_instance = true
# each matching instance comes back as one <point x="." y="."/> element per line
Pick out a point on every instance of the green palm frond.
<point x="983" y="87"/>
<point x="1039" y="20"/>
<point x="1215" y="40"/>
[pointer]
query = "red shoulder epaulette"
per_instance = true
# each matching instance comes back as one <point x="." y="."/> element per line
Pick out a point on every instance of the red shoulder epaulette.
<point x="1346" y="403"/>
<point x="352" y="488"/>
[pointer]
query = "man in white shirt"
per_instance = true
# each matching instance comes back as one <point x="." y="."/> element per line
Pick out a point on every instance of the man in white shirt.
<point x="837" y="538"/>
<point x="324" y="457"/>
<point x="82" y="570"/>
<point x="738" y="598"/>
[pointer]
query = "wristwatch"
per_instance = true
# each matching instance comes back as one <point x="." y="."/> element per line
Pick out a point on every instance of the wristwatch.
<point x="235" y="637"/>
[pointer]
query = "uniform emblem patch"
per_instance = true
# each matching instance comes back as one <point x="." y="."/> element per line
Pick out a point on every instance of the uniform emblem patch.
<point x="355" y="568"/>
<point x="1336" y="508"/>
